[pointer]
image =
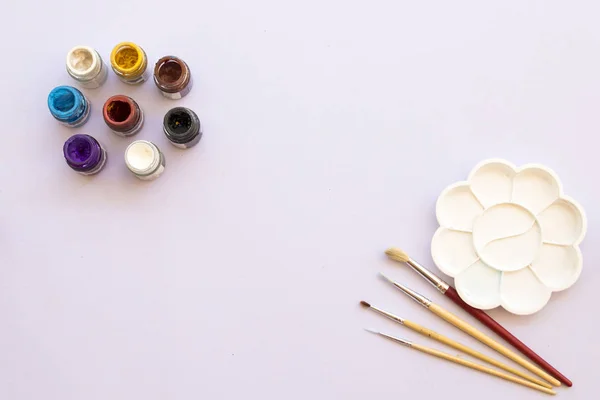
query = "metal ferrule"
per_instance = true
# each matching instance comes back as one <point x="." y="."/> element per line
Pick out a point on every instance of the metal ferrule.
<point x="435" y="280"/>
<point x="388" y="315"/>
<point x="422" y="300"/>
<point x="396" y="339"/>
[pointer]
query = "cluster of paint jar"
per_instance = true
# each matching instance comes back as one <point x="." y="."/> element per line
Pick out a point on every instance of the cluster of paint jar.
<point x="122" y="114"/>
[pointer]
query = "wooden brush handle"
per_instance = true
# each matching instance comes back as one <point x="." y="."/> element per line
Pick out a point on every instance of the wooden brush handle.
<point x="467" y="350"/>
<point x="481" y="368"/>
<point x="483" y="338"/>
<point x="488" y="321"/>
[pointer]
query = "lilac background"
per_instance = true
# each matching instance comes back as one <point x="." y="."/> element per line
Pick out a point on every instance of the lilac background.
<point x="330" y="129"/>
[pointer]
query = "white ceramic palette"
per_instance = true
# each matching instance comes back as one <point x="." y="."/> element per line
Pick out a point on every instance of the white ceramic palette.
<point x="509" y="236"/>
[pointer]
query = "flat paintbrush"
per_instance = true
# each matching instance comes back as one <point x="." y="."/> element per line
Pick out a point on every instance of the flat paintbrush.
<point x="454" y="344"/>
<point x="466" y="363"/>
<point x="469" y="329"/>
<point x="447" y="290"/>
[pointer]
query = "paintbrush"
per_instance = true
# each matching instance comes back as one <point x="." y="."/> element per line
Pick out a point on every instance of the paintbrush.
<point x="447" y="290"/>
<point x="454" y="344"/>
<point x="467" y="328"/>
<point x="463" y="362"/>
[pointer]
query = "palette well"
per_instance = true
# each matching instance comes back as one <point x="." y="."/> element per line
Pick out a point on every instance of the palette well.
<point x="509" y="236"/>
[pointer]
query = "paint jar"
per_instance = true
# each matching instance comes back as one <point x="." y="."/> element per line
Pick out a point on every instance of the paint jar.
<point x="130" y="63"/>
<point x="145" y="160"/>
<point x="173" y="77"/>
<point x="85" y="65"/>
<point x="84" y="154"/>
<point x="182" y="127"/>
<point x="69" y="106"/>
<point x="123" y="115"/>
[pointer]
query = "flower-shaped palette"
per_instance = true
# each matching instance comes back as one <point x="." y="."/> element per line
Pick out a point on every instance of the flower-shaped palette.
<point x="509" y="237"/>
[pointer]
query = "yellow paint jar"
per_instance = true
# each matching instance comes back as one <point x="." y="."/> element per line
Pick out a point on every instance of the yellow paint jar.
<point x="129" y="62"/>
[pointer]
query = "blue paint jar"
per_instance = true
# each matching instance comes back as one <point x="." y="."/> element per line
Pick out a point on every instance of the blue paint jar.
<point x="69" y="106"/>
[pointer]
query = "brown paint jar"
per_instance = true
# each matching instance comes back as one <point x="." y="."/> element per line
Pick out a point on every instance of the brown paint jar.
<point x="173" y="78"/>
<point x="123" y="115"/>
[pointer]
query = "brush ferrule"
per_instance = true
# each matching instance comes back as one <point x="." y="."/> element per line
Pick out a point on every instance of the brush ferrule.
<point x="396" y="339"/>
<point x="435" y="280"/>
<point x="388" y="315"/>
<point x="422" y="300"/>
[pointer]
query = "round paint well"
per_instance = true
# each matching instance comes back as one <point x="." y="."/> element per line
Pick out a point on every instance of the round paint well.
<point x="507" y="237"/>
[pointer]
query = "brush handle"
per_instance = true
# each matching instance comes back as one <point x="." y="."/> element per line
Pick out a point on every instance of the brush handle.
<point x="488" y="341"/>
<point x="506" y="335"/>
<point x="482" y="368"/>
<point x="467" y="350"/>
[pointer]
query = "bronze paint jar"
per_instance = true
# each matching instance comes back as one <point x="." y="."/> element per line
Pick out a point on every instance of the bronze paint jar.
<point x="173" y="78"/>
<point x="123" y="115"/>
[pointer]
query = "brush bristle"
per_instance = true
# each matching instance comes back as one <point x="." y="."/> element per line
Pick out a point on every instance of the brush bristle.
<point x="397" y="254"/>
<point x="365" y="304"/>
<point x="384" y="276"/>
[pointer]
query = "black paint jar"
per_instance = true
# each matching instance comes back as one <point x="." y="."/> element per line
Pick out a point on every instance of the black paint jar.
<point x="182" y="127"/>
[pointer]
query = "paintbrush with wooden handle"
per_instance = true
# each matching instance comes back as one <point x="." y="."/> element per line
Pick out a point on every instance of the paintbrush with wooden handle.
<point x="467" y="328"/>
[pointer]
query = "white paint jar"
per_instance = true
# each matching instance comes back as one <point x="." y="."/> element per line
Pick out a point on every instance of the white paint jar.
<point x="85" y="65"/>
<point x="144" y="160"/>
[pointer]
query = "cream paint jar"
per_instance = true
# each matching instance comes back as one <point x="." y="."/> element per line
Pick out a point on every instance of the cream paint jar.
<point x="85" y="65"/>
<point x="145" y="160"/>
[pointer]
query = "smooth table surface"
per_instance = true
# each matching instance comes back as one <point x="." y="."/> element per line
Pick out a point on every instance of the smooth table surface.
<point x="330" y="128"/>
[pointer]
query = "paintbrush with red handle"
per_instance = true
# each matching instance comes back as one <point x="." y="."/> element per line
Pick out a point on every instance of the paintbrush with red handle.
<point x="444" y="288"/>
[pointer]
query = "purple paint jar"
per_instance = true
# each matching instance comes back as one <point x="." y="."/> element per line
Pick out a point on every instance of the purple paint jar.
<point x="84" y="154"/>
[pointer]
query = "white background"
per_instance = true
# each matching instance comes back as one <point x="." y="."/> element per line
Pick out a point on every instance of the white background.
<point x="330" y="127"/>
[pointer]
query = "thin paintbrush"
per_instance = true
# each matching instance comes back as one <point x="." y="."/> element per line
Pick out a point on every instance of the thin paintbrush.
<point x="447" y="290"/>
<point x="465" y="327"/>
<point x="454" y="344"/>
<point x="465" y="363"/>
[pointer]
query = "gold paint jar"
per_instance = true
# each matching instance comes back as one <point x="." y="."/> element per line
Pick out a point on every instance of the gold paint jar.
<point x="129" y="62"/>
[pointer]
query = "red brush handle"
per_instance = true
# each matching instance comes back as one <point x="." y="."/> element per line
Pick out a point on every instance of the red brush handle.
<point x="506" y="335"/>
